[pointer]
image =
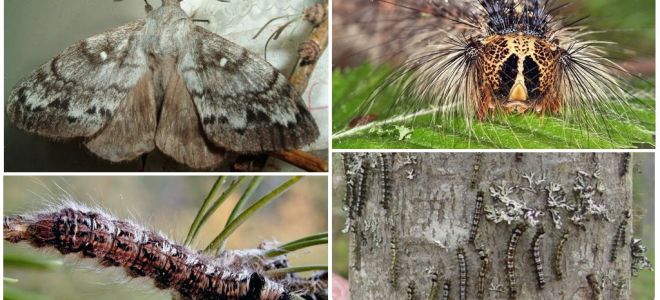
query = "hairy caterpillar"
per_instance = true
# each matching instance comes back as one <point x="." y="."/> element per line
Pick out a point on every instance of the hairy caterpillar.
<point x="357" y="254"/>
<point x="360" y="191"/>
<point x="463" y="61"/>
<point x="537" y="257"/>
<point x="476" y="216"/>
<point x="433" y="293"/>
<point x="348" y="196"/>
<point x="620" y="236"/>
<point x="312" y="288"/>
<point x="596" y="289"/>
<point x="625" y="164"/>
<point x="394" y="259"/>
<point x="462" y="270"/>
<point x="511" y="259"/>
<point x="385" y="188"/>
<point x="144" y="253"/>
<point x="559" y="251"/>
<point x="486" y="265"/>
<point x="411" y="291"/>
<point x="446" y="290"/>
<point x="475" y="171"/>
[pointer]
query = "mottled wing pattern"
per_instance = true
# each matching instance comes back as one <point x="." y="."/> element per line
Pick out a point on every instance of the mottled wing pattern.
<point x="244" y="103"/>
<point x="77" y="92"/>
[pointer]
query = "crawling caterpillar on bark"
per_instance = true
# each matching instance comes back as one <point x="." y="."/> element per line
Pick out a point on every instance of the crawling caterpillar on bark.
<point x="144" y="253"/>
<point x="511" y="259"/>
<point x="537" y="257"/>
<point x="620" y="236"/>
<point x="559" y="252"/>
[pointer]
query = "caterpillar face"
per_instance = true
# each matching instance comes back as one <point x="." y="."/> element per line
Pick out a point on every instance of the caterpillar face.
<point x="518" y="72"/>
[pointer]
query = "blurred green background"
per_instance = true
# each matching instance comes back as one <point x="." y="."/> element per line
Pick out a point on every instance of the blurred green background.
<point x="166" y="204"/>
<point x="643" y="221"/>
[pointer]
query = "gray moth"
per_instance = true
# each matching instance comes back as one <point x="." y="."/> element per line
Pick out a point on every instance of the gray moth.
<point x="166" y="83"/>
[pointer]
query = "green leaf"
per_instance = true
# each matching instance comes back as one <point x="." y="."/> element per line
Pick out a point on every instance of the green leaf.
<point x="194" y="227"/>
<point x="309" y="241"/>
<point x="299" y="269"/>
<point x="622" y="126"/>
<point x="229" y="229"/>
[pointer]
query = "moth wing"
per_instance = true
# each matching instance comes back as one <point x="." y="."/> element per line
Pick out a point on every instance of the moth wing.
<point x="79" y="92"/>
<point x="244" y="103"/>
<point x="180" y="134"/>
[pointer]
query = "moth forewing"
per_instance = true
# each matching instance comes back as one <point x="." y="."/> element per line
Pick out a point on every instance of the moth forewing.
<point x="163" y="82"/>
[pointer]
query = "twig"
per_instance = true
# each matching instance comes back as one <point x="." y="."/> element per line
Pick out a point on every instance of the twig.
<point x="303" y="160"/>
<point x="309" y="51"/>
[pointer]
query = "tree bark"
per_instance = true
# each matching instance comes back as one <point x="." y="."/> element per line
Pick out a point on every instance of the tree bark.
<point x="430" y="215"/>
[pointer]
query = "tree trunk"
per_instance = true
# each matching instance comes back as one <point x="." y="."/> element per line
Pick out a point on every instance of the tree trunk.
<point x="430" y="214"/>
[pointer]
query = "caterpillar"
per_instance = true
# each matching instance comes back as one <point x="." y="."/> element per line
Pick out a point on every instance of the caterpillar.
<point x="143" y="253"/>
<point x="394" y="263"/>
<point x="476" y="216"/>
<point x="357" y="252"/>
<point x="625" y="164"/>
<point x="475" y="170"/>
<point x="620" y="236"/>
<point x="519" y="156"/>
<point x="311" y="288"/>
<point x="348" y="196"/>
<point x="486" y="265"/>
<point x="446" y="290"/>
<point x="537" y="257"/>
<point x="559" y="251"/>
<point x="360" y="191"/>
<point x="619" y="289"/>
<point x="433" y="293"/>
<point x="596" y="289"/>
<point x="511" y="259"/>
<point x="462" y="271"/>
<point x="385" y="188"/>
<point x="411" y="291"/>
<point x="473" y="59"/>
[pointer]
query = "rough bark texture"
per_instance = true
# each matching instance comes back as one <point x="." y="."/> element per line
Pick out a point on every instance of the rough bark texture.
<point x="431" y="209"/>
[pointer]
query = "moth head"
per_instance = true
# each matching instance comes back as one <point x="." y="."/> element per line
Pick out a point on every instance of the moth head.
<point x="518" y="72"/>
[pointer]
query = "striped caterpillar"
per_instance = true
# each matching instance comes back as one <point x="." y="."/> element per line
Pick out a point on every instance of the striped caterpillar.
<point x="472" y="59"/>
<point x="411" y="291"/>
<point x="559" y="251"/>
<point x="394" y="259"/>
<point x="511" y="259"/>
<point x="596" y="289"/>
<point x="475" y="171"/>
<point x="537" y="257"/>
<point x="476" y="216"/>
<point x="462" y="270"/>
<point x="144" y="253"/>
<point x="486" y="265"/>
<point x="433" y="293"/>
<point x="625" y="164"/>
<point x="385" y="187"/>
<point x="360" y="191"/>
<point x="620" y="236"/>
<point x="446" y="290"/>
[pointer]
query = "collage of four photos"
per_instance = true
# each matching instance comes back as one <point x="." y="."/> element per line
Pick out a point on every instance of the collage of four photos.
<point x="329" y="149"/>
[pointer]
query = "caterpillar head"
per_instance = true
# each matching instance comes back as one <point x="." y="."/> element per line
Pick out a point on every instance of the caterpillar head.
<point x="518" y="73"/>
<point x="509" y="56"/>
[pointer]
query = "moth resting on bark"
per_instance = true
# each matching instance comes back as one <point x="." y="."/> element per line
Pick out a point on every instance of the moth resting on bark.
<point x="166" y="83"/>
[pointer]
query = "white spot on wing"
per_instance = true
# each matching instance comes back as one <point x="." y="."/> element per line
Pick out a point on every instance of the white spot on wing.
<point x="104" y="55"/>
<point x="223" y="62"/>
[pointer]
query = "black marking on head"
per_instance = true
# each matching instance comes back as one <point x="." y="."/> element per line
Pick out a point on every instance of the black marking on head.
<point x="508" y="74"/>
<point x="532" y="78"/>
